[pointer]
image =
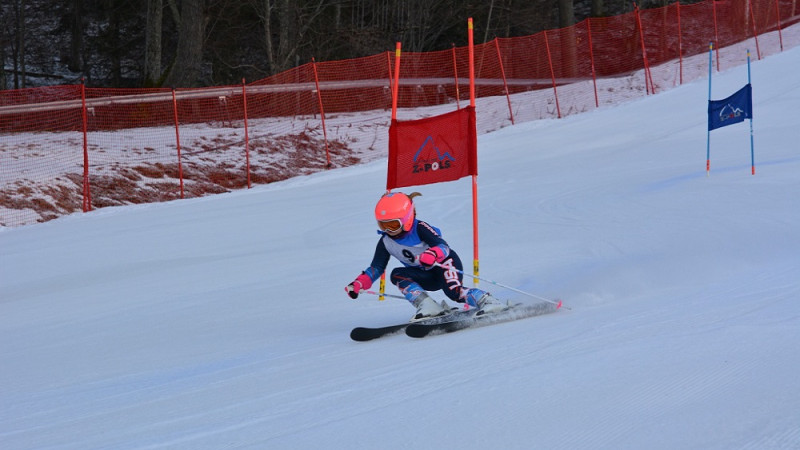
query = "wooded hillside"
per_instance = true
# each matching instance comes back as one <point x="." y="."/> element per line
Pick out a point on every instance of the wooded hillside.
<point x="185" y="43"/>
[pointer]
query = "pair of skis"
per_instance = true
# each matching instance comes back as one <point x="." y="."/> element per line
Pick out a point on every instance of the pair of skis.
<point x="457" y="320"/>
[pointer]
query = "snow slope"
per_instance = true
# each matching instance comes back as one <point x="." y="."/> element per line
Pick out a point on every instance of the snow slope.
<point x="221" y="322"/>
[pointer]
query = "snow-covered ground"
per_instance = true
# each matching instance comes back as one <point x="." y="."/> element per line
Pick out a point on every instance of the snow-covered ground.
<point x="221" y="322"/>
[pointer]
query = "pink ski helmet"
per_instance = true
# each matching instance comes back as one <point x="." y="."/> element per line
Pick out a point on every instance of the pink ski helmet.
<point x="395" y="213"/>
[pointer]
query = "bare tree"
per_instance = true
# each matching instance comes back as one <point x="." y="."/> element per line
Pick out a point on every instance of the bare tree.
<point x="5" y="39"/>
<point x="112" y="37"/>
<point x="19" y="44"/>
<point x="75" y="61"/>
<point x="263" y="9"/>
<point x="187" y="67"/>
<point x="152" y="54"/>
<point x="566" y="19"/>
<point x="122" y="42"/>
<point x="287" y="44"/>
<point x="597" y="8"/>
<point x="2" y="61"/>
<point x="294" y="20"/>
<point x="566" y="13"/>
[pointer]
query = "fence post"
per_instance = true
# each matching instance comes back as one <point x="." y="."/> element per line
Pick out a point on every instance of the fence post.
<point x="648" y="79"/>
<point x="391" y="80"/>
<point x="778" y="17"/>
<point x="552" y="72"/>
<point x="455" y="74"/>
<point x="87" y="192"/>
<point x="755" y="33"/>
<point x="503" y="74"/>
<point x="680" y="44"/>
<point x="591" y="58"/>
<point x="321" y="114"/>
<point x="716" y="30"/>
<point x="246" y="135"/>
<point x="177" y="138"/>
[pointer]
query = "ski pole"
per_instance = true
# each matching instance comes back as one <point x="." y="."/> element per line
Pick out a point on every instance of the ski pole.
<point x="384" y="294"/>
<point x="505" y="286"/>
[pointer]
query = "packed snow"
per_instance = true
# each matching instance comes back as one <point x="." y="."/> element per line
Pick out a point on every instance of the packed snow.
<point x="221" y="322"/>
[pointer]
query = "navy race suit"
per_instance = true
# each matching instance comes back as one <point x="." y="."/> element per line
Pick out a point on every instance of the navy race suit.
<point x="407" y="247"/>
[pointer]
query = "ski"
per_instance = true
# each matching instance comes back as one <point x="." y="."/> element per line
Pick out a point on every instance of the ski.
<point x="363" y="334"/>
<point x="469" y="319"/>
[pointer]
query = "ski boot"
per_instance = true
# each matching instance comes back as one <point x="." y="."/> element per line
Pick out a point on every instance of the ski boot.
<point x="477" y="298"/>
<point x="427" y="307"/>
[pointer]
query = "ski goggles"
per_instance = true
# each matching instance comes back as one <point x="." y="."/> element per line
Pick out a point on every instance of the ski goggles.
<point x="390" y="226"/>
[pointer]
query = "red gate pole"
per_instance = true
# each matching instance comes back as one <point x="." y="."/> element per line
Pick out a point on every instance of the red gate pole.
<point x="395" y="92"/>
<point x="395" y="85"/>
<point x="475" y="256"/>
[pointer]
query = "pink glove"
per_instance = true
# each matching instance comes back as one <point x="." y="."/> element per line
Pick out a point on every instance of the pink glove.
<point x="361" y="282"/>
<point x="430" y="257"/>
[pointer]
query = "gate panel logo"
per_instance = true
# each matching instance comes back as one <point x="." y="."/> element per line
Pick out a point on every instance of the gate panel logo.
<point x="430" y="158"/>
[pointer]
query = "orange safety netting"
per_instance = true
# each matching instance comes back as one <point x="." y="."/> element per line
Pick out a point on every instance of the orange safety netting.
<point x="68" y="148"/>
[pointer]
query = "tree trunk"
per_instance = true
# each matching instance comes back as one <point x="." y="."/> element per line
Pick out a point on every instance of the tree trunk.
<point x="569" y="54"/>
<point x="116" y="45"/>
<point x="287" y="35"/>
<point x="75" y="62"/>
<point x="266" y="20"/>
<point x="152" y="53"/>
<point x="176" y="15"/>
<point x="2" y="64"/>
<point x="187" y="67"/>
<point x="488" y="22"/>
<point x="597" y="8"/>
<point x="566" y="13"/>
<point x="19" y="44"/>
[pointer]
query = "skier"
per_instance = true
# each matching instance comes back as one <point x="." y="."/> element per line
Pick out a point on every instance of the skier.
<point x="429" y="264"/>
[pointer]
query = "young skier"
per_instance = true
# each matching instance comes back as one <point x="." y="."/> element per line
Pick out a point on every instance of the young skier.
<point x="429" y="264"/>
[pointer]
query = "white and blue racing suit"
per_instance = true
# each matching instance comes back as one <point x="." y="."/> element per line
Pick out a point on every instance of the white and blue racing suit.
<point x="413" y="278"/>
